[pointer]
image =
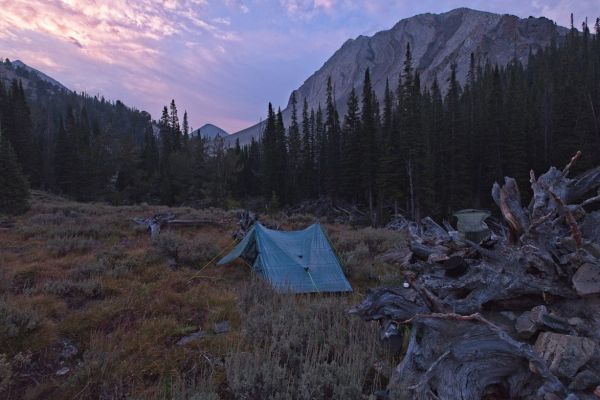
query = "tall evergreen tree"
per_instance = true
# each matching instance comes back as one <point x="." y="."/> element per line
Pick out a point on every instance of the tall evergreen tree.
<point x="14" y="189"/>
<point x="308" y="157"/>
<point x="351" y="182"/>
<point x="332" y="143"/>
<point x="369" y="144"/>
<point x="294" y="154"/>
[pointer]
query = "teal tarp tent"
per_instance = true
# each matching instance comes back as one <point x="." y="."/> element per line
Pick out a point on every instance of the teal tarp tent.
<point x="295" y="261"/>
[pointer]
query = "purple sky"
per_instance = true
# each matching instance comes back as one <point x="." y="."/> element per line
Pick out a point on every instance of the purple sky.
<point x="222" y="60"/>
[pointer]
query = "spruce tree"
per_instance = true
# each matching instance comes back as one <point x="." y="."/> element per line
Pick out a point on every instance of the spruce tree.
<point x="14" y="189"/>
<point x="320" y="152"/>
<point x="175" y="127"/>
<point x="308" y="159"/>
<point x="332" y="143"/>
<point x="351" y="183"/>
<point x="167" y="148"/>
<point x="294" y="154"/>
<point x="369" y="144"/>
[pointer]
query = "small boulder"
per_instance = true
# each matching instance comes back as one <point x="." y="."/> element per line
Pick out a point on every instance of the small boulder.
<point x="62" y="371"/>
<point x="222" y="327"/>
<point x="564" y="354"/>
<point x="68" y="350"/>
<point x="538" y="313"/>
<point x="190" y="338"/>
<point x="587" y="279"/>
<point x="525" y="326"/>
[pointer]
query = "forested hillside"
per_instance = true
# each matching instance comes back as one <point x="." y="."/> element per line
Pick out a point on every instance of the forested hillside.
<point x="417" y="150"/>
<point x="429" y="152"/>
<point x="67" y="142"/>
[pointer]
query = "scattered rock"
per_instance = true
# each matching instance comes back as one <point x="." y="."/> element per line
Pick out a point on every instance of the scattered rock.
<point x="564" y="354"/>
<point x="597" y="392"/>
<point x="525" y="326"/>
<point x="538" y="313"/>
<point x="575" y="321"/>
<point x="585" y="380"/>
<point x="222" y="327"/>
<point x="190" y="338"/>
<point x="68" y="349"/>
<point x="171" y="263"/>
<point x="63" y="371"/>
<point x="511" y="316"/>
<point x="587" y="279"/>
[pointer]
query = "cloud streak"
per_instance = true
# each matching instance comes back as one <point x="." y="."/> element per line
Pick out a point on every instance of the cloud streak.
<point x="222" y="60"/>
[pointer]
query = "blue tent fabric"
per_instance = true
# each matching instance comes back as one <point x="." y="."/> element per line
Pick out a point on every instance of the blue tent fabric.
<point x="293" y="261"/>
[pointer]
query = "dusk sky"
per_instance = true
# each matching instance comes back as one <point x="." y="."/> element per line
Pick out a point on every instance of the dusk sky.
<point x="223" y="60"/>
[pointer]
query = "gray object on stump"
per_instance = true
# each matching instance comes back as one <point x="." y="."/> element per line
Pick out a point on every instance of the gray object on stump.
<point x="471" y="225"/>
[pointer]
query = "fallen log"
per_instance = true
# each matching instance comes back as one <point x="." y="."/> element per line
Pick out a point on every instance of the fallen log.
<point x="156" y="222"/>
<point x="515" y="317"/>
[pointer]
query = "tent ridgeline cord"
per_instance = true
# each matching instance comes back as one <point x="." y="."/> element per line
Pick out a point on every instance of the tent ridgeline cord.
<point x="233" y="242"/>
<point x="332" y="246"/>
<point x="313" y="281"/>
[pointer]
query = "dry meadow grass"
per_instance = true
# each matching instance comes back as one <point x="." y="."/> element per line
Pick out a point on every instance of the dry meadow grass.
<point x="89" y="308"/>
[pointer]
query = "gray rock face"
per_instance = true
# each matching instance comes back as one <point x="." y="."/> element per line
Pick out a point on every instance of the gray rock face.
<point x="587" y="279"/>
<point x="437" y="41"/>
<point x="564" y="354"/>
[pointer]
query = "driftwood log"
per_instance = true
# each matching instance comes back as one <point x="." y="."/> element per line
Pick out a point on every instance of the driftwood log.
<point x="514" y="317"/>
<point x="156" y="222"/>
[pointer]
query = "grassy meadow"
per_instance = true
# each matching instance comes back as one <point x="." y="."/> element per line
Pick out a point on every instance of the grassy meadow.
<point x="91" y="309"/>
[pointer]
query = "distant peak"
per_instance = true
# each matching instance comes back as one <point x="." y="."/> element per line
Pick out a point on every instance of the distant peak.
<point x="210" y="131"/>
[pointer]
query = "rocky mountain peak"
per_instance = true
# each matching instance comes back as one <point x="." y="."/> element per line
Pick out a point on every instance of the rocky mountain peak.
<point x="437" y="41"/>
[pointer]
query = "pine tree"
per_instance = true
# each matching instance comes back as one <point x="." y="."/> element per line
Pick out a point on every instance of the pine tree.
<point x="294" y="154"/>
<point x="332" y="143"/>
<point x="14" y="189"/>
<point x="185" y="130"/>
<point x="167" y="148"/>
<point x="67" y="166"/>
<point x="308" y="159"/>
<point x="270" y="160"/>
<point x="369" y="144"/>
<point x="281" y="157"/>
<point x="391" y="175"/>
<point x="351" y="183"/>
<point x="320" y="152"/>
<point x="175" y="127"/>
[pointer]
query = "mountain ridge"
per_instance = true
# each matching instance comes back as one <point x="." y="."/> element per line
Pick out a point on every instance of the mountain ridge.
<point x="437" y="41"/>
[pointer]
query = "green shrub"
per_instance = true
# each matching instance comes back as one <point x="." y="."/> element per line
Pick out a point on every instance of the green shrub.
<point x="198" y="250"/>
<point x="66" y="288"/>
<point x="302" y="348"/>
<point x="16" y="321"/>
<point x="359" y="251"/>
<point x="186" y="251"/>
<point x="169" y="244"/>
<point x="114" y="262"/>
<point x="23" y="280"/>
<point x="62" y="246"/>
<point x="5" y="372"/>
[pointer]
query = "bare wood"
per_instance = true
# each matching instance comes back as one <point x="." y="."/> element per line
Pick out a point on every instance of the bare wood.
<point x="568" y="167"/>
